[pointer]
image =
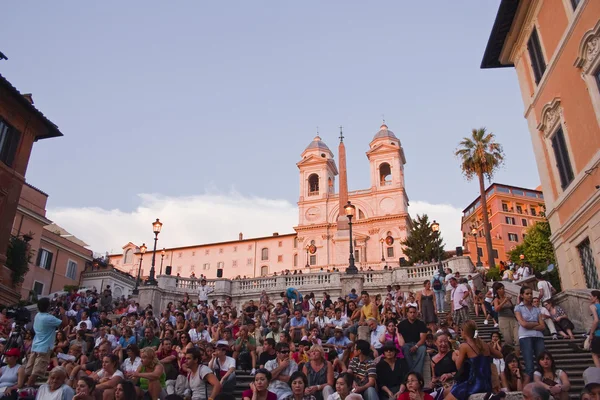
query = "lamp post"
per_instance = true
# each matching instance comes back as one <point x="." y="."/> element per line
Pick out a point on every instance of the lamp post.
<point x="156" y="227"/>
<point x="474" y="233"/>
<point x="381" y="241"/>
<point x="137" y="281"/>
<point x="350" y="212"/>
<point x="162" y="255"/>
<point x="307" y="249"/>
<point x="435" y="227"/>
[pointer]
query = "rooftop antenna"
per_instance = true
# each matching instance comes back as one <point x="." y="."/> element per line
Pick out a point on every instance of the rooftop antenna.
<point x="341" y="134"/>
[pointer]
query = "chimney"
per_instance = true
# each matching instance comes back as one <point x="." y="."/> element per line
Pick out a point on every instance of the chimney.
<point x="275" y="233"/>
<point x="29" y="97"/>
<point x="241" y="236"/>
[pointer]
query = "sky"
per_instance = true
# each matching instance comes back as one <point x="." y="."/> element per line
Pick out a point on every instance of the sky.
<point x="196" y="112"/>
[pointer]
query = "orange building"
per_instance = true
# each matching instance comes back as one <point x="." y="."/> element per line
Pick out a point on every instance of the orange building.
<point x="554" y="47"/>
<point x="511" y="211"/>
<point x="58" y="258"/>
<point x="21" y="124"/>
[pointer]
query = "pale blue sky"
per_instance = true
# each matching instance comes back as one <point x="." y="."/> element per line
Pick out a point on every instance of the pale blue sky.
<point x="179" y="97"/>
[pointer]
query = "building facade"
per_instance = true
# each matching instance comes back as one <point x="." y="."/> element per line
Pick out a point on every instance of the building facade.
<point x="321" y="238"/>
<point x="21" y="124"/>
<point x="554" y="47"/>
<point x="511" y="211"/>
<point x="58" y="258"/>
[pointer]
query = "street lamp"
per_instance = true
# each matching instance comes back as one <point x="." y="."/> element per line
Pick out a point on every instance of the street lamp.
<point x="474" y="233"/>
<point x="307" y="249"/>
<point x="381" y="241"/>
<point x="350" y="212"/>
<point x="156" y="227"/>
<point x="137" y="281"/>
<point x="435" y="227"/>
<point x="163" y="253"/>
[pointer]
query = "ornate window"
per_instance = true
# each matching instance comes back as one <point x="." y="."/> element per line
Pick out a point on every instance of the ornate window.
<point x="588" y="60"/>
<point x="313" y="185"/>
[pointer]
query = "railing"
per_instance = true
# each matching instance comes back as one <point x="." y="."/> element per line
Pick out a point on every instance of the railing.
<point x="304" y="281"/>
<point x="185" y="284"/>
<point x="422" y="271"/>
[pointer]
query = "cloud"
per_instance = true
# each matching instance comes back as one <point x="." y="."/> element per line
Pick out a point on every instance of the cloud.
<point x="448" y="216"/>
<point x="206" y="218"/>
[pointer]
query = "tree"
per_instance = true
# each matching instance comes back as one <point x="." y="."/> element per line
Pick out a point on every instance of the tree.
<point x="422" y="244"/>
<point x="538" y="251"/>
<point x="480" y="155"/>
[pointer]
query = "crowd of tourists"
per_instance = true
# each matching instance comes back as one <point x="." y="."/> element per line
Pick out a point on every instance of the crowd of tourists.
<point x="298" y="346"/>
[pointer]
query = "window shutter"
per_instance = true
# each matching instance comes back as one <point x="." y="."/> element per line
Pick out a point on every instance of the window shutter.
<point x="39" y="258"/>
<point x="49" y="261"/>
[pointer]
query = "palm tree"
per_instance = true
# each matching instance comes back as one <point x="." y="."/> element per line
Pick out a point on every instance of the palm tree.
<point x="481" y="155"/>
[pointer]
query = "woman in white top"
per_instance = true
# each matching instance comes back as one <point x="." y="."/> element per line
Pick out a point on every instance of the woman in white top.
<point x="133" y="360"/>
<point x="109" y="376"/>
<point x="12" y="375"/>
<point x="343" y="388"/>
<point x="201" y="382"/>
<point x="555" y="380"/>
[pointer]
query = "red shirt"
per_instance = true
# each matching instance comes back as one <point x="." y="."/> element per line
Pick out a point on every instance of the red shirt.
<point x="406" y="396"/>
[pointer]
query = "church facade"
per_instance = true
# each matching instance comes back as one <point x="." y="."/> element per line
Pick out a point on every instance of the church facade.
<point x="321" y="238"/>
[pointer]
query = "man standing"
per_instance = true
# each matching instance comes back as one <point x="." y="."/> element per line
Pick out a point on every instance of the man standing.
<point x="460" y="293"/>
<point x="203" y="292"/>
<point x="447" y="285"/>
<point x="439" y="290"/>
<point x="414" y="333"/>
<point x="44" y="326"/>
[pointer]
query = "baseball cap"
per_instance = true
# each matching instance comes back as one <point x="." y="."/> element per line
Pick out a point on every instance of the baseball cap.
<point x="339" y="328"/>
<point x="12" y="352"/>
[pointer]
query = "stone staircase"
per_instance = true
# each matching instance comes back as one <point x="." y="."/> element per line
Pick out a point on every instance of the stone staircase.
<point x="566" y="352"/>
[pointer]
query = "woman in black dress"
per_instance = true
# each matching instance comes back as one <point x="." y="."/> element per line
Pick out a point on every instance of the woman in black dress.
<point x="390" y="373"/>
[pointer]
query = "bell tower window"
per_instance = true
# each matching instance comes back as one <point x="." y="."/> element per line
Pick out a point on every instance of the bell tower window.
<point x="313" y="185"/>
<point x="385" y="174"/>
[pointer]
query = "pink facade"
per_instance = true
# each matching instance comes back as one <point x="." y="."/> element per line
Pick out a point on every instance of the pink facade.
<point x="58" y="258"/>
<point x="319" y="241"/>
<point x="511" y="211"/>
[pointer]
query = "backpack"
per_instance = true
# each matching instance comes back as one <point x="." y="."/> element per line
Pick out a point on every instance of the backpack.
<point x="437" y="285"/>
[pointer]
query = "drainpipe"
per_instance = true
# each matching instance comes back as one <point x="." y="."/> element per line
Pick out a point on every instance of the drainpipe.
<point x="54" y="270"/>
<point x="254" y="266"/>
<point x="20" y="225"/>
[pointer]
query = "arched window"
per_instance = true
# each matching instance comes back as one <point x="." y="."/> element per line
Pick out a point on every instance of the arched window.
<point x="296" y="242"/>
<point x="128" y="256"/>
<point x="264" y="270"/>
<point x="295" y="260"/>
<point x="385" y="174"/>
<point x="313" y="185"/>
<point x="264" y="254"/>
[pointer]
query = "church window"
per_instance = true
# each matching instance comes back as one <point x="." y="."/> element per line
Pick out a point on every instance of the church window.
<point x="264" y="270"/>
<point x="128" y="255"/>
<point x="313" y="185"/>
<point x="264" y="254"/>
<point x="385" y="174"/>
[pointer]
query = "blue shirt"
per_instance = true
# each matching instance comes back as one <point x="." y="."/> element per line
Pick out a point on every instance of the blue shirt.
<point x="126" y="342"/>
<point x="296" y="323"/>
<point x="44" y="326"/>
<point x="290" y="293"/>
<point x="529" y="315"/>
<point x="344" y="341"/>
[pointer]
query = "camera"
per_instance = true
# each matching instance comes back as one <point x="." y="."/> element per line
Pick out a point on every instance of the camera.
<point x="20" y="315"/>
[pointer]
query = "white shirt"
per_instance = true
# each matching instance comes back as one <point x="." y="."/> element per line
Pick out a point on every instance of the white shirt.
<point x="87" y="322"/>
<point x="547" y="290"/>
<point x="129" y="366"/>
<point x="375" y="335"/>
<point x="447" y="280"/>
<point x="458" y="294"/>
<point x="322" y="322"/>
<point x="102" y="374"/>
<point x="203" y="292"/>
<point x="111" y="339"/>
<point x="196" y="385"/>
<point x="65" y="392"/>
<point x="226" y="365"/>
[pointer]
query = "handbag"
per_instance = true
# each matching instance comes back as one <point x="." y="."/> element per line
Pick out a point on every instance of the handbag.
<point x="587" y="345"/>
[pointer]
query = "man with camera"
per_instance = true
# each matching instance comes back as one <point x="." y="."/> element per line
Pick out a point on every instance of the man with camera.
<point x="44" y="325"/>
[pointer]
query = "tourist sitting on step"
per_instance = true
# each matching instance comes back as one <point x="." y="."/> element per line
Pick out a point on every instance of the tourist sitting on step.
<point x="260" y="387"/>
<point x="281" y="369"/>
<point x="547" y="318"/>
<point x="299" y="385"/>
<point x="319" y="373"/>
<point x="391" y="372"/>
<point x="513" y="377"/>
<point x="298" y="326"/>
<point x="560" y="319"/>
<point x="443" y="364"/>
<point x="224" y="367"/>
<point x="364" y="370"/>
<point x="555" y="380"/>
<point x="414" y="333"/>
